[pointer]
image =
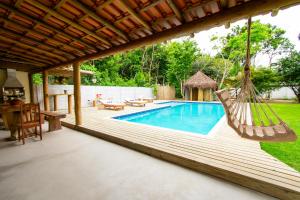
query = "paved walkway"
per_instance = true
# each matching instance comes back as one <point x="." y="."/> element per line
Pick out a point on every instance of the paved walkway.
<point x="71" y="165"/>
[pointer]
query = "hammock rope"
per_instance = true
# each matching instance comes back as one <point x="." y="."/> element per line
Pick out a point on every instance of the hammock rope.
<point x="247" y="112"/>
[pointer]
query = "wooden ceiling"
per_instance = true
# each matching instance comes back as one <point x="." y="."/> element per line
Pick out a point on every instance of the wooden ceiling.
<point x="43" y="34"/>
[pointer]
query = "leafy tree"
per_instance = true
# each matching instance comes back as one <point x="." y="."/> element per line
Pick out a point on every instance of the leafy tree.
<point x="140" y="79"/>
<point x="180" y="57"/>
<point x="265" y="38"/>
<point x="89" y="66"/>
<point x="215" y="67"/>
<point x="289" y="68"/>
<point x="265" y="79"/>
<point x="37" y="79"/>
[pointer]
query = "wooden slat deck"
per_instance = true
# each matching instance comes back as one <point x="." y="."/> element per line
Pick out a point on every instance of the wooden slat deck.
<point x="224" y="155"/>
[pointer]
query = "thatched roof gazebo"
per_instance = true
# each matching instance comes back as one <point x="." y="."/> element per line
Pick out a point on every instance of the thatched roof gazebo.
<point x="199" y="87"/>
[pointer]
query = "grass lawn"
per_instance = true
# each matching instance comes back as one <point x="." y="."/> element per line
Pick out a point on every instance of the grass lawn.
<point x="287" y="152"/>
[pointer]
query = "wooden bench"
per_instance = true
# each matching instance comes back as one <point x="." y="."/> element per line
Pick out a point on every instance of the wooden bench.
<point x="53" y="119"/>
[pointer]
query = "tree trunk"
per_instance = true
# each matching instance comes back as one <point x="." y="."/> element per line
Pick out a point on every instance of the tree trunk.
<point x="143" y="58"/>
<point x="150" y="68"/>
<point x="296" y="90"/>
<point x="181" y="88"/>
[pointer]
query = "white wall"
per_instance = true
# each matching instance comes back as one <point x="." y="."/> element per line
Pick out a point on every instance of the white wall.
<point x="283" y="93"/>
<point x="88" y="94"/>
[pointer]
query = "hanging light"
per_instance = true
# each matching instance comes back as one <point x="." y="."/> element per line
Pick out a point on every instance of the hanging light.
<point x="227" y="25"/>
<point x="94" y="79"/>
<point x="274" y="12"/>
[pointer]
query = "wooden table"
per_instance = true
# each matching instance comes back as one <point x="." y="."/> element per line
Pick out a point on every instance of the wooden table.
<point x="53" y="120"/>
<point x="55" y="99"/>
<point x="10" y="115"/>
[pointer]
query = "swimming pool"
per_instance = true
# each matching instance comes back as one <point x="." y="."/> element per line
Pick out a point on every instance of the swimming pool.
<point x="193" y="117"/>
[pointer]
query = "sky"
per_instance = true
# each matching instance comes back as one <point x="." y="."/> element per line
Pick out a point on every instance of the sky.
<point x="288" y="19"/>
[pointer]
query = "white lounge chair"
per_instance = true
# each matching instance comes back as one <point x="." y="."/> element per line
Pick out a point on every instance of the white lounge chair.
<point x="135" y="103"/>
<point x="111" y="105"/>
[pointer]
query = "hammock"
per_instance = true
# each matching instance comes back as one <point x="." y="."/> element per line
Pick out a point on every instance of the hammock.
<point x="248" y="114"/>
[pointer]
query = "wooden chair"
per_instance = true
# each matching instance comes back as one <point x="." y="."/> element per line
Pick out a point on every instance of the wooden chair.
<point x="30" y="118"/>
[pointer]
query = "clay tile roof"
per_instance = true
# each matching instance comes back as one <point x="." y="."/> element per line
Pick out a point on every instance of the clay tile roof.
<point x="200" y="80"/>
<point x="63" y="32"/>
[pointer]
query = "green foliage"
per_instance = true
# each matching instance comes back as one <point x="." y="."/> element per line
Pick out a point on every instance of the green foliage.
<point x="140" y="79"/>
<point x="265" y="38"/>
<point x="289" y="68"/>
<point x="180" y="57"/>
<point x="87" y="79"/>
<point x="145" y="67"/>
<point x="265" y="79"/>
<point x="287" y="152"/>
<point x="37" y="79"/>
<point x="215" y="67"/>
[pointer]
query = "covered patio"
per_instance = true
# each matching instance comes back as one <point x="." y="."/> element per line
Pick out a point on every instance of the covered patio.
<point x="40" y="36"/>
<point x="70" y="165"/>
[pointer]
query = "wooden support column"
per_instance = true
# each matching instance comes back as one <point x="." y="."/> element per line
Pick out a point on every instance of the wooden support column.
<point x="191" y="94"/>
<point x="70" y="103"/>
<point x="45" y="91"/>
<point x="55" y="98"/>
<point x="30" y="88"/>
<point x="77" y="93"/>
<point x="200" y="94"/>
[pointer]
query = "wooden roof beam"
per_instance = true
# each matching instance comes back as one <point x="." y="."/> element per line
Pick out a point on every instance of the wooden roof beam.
<point x="242" y="11"/>
<point x="26" y="54"/>
<point x="58" y="52"/>
<point x="55" y="30"/>
<point x="56" y="7"/>
<point x="100" y="19"/>
<point x="155" y="3"/>
<point x="68" y="21"/>
<point x="27" y="46"/>
<point x="15" y="50"/>
<point x="103" y="5"/>
<point x="9" y="56"/>
<point x="18" y="3"/>
<point x="175" y="10"/>
<point x="152" y="4"/>
<point x="125" y="5"/>
<point x="21" y="61"/>
<point x="61" y="44"/>
<point x="224" y="3"/>
<point x="17" y="66"/>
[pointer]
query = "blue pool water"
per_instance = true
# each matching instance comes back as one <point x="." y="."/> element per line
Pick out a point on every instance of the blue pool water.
<point x="193" y="117"/>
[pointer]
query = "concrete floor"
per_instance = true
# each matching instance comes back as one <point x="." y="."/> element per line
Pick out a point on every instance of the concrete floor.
<point x="71" y="165"/>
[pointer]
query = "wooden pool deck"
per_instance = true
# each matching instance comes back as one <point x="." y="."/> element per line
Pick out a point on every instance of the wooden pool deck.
<point x="223" y="154"/>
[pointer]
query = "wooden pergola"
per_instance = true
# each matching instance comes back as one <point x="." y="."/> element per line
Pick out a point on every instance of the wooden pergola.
<point x="37" y="36"/>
